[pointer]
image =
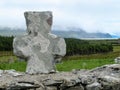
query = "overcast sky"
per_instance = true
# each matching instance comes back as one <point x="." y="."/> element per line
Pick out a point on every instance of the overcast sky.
<point x="91" y="15"/>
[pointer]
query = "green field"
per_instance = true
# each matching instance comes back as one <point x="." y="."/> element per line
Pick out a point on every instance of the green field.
<point x="88" y="61"/>
<point x="9" y="61"/>
<point x="83" y="64"/>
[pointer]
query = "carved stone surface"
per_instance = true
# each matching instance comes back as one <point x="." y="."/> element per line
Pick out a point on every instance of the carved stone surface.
<point x="39" y="47"/>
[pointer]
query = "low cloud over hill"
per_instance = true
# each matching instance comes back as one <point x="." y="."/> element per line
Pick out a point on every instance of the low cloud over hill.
<point x="71" y="33"/>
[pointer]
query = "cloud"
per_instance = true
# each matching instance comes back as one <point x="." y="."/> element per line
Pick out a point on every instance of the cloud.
<point x="91" y="15"/>
<point x="29" y="3"/>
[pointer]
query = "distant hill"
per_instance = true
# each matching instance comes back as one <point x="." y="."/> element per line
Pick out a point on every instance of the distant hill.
<point x="11" y="32"/>
<point x="72" y="33"/>
<point x="115" y="36"/>
<point x="81" y="34"/>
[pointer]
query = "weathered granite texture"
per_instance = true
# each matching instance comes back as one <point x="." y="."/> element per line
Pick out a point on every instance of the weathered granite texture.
<point x="106" y="77"/>
<point x="39" y="47"/>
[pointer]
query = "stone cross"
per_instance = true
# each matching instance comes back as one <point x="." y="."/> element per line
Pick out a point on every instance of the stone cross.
<point x="39" y="47"/>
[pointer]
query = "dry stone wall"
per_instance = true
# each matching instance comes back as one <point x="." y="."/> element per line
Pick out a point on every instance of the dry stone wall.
<point x="102" y="78"/>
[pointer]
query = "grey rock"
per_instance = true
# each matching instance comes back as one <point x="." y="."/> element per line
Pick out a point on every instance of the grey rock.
<point x="80" y="87"/>
<point x="117" y="60"/>
<point x="69" y="83"/>
<point x="110" y="82"/>
<point x="39" y="47"/>
<point x="87" y="79"/>
<point x="51" y="82"/>
<point x="94" y="86"/>
<point x="13" y="72"/>
<point x="1" y="72"/>
<point x="51" y="88"/>
<point x="22" y="86"/>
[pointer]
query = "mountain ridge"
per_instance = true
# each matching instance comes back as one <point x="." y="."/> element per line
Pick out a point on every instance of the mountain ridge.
<point x="80" y="33"/>
<point x="71" y="33"/>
